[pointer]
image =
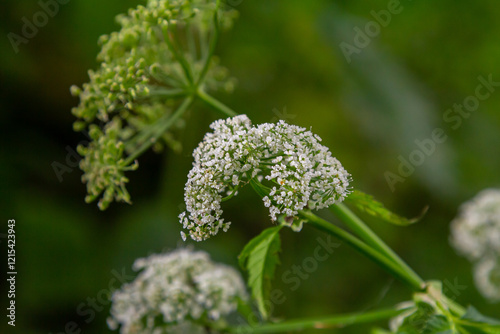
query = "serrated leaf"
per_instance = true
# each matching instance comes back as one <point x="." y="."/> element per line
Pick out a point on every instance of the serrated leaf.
<point x="366" y="203"/>
<point x="260" y="258"/>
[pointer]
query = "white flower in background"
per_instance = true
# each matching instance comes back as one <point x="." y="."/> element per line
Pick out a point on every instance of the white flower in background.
<point x="176" y="292"/>
<point x="299" y="170"/>
<point x="475" y="233"/>
<point x="487" y="278"/>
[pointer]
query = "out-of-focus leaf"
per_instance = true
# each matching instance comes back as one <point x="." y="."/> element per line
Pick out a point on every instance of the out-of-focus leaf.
<point x="473" y="315"/>
<point x="387" y="100"/>
<point x="474" y="322"/>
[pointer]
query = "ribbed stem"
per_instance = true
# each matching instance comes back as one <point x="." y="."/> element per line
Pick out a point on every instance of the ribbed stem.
<point x="367" y="235"/>
<point x="216" y="104"/>
<point x="159" y="128"/>
<point x="386" y="263"/>
<point x="213" y="44"/>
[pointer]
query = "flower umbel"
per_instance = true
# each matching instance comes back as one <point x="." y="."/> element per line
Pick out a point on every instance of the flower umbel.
<point x="103" y="163"/>
<point x="177" y="292"/>
<point x="299" y="170"/>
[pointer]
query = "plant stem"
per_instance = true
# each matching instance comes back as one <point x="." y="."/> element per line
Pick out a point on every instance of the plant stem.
<point x="216" y="104"/>
<point x="372" y="239"/>
<point x="399" y="272"/>
<point x="318" y="323"/>
<point x="213" y="44"/>
<point x="165" y="92"/>
<point x="454" y="307"/>
<point x="158" y="129"/>
<point x="177" y="54"/>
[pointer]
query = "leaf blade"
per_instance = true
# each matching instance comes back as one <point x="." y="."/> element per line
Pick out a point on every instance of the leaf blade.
<point x="260" y="258"/>
<point x="366" y="203"/>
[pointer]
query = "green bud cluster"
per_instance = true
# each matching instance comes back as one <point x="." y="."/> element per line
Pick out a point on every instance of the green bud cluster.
<point x="103" y="163"/>
<point x="159" y="57"/>
<point x="111" y="88"/>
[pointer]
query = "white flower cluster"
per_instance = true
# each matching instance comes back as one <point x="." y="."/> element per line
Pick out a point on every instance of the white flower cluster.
<point x="475" y="233"/>
<point x="176" y="292"/>
<point x="301" y="172"/>
<point x="487" y="278"/>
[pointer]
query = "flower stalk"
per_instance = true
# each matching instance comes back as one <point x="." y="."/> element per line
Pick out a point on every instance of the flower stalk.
<point x="336" y="321"/>
<point x="159" y="128"/>
<point x="216" y="104"/>
<point x="415" y="283"/>
<point x="371" y="238"/>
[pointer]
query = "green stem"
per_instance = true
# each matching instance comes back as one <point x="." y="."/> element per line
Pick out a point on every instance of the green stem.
<point x="233" y="192"/>
<point x="455" y="308"/>
<point x="372" y="239"/>
<point x="213" y="44"/>
<point x="318" y="323"/>
<point x="375" y="255"/>
<point x="158" y="129"/>
<point x="178" y="55"/>
<point x="216" y="104"/>
<point x="165" y="92"/>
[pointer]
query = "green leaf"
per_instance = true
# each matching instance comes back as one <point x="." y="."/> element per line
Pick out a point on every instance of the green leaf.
<point x="366" y="203"/>
<point x="260" y="258"/>
<point x="473" y="315"/>
<point x="425" y="321"/>
<point x="474" y="322"/>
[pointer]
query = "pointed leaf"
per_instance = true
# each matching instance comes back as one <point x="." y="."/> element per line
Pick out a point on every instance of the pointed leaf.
<point x="369" y="205"/>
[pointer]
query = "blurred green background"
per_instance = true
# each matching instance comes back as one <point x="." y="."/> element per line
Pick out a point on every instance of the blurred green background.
<point x="287" y="58"/>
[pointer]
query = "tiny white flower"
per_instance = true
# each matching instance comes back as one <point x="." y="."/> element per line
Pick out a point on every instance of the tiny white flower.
<point x="267" y="201"/>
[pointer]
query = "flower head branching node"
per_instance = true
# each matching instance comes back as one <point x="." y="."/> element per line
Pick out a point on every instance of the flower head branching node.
<point x="299" y="170"/>
<point x="475" y="233"/>
<point x="178" y="292"/>
<point x="161" y="56"/>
